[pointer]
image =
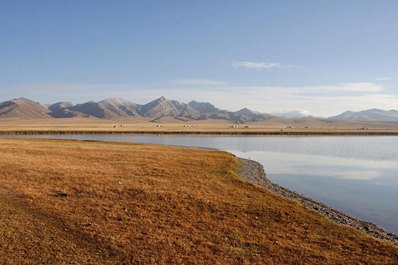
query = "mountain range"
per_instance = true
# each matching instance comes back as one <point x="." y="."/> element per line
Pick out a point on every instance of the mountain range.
<point x="117" y="108"/>
<point x="369" y="115"/>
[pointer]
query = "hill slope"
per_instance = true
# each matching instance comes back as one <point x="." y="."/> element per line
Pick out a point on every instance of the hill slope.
<point x="112" y="108"/>
<point x="117" y="108"/>
<point x="369" y="115"/>
<point x="163" y="109"/>
<point x="24" y="109"/>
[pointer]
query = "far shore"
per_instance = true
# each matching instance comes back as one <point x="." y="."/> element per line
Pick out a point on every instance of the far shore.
<point x="310" y="132"/>
<point x="207" y="127"/>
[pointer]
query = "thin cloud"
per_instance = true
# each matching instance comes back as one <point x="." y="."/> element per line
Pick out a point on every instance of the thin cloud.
<point x="257" y="65"/>
<point x="384" y="78"/>
<point x="66" y="87"/>
<point x="359" y="87"/>
<point x="199" y="82"/>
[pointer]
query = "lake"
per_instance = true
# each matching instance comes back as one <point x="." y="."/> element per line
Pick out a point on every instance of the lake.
<point x="357" y="175"/>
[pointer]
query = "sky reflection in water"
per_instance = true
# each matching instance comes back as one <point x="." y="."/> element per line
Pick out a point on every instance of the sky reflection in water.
<point x="367" y="189"/>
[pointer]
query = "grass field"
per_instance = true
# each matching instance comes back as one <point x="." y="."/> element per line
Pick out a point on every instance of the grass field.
<point x="73" y="202"/>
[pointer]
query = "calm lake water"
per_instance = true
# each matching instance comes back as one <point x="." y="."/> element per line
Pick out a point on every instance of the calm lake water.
<point x="357" y="175"/>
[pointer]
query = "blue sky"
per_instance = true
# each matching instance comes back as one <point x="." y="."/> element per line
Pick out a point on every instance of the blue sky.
<point x="319" y="56"/>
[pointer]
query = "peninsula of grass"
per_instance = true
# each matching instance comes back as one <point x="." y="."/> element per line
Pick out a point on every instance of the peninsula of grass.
<point x="80" y="202"/>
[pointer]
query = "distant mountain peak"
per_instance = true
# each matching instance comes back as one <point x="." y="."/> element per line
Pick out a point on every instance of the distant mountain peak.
<point x="368" y="115"/>
<point x="20" y="98"/>
<point x="162" y="99"/>
<point x="23" y="100"/>
<point x="160" y="107"/>
<point x="23" y="108"/>
<point x="203" y="107"/>
<point x="246" y="111"/>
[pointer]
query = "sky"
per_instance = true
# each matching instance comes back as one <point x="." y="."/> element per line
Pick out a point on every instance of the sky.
<point x="318" y="57"/>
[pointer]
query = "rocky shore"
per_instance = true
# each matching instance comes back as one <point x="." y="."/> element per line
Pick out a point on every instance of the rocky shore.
<point x="254" y="172"/>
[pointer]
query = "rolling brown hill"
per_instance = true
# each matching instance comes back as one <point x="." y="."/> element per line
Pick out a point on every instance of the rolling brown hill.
<point x="369" y="115"/>
<point x="106" y="109"/>
<point x="163" y="109"/>
<point x="116" y="108"/>
<point x="23" y="108"/>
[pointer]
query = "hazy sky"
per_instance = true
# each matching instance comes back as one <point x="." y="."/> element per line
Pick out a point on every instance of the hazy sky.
<point x="319" y="56"/>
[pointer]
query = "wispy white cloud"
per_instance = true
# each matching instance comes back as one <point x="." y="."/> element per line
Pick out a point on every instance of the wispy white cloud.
<point x="199" y="82"/>
<point x="364" y="87"/>
<point x="52" y="92"/>
<point x="292" y="113"/>
<point x="67" y="87"/>
<point x="384" y="78"/>
<point x="258" y="65"/>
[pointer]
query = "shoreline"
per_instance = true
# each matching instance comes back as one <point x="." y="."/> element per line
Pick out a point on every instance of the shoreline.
<point x="253" y="172"/>
<point x="208" y="132"/>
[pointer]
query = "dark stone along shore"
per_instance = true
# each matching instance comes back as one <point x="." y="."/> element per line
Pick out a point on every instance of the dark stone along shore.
<point x="254" y="172"/>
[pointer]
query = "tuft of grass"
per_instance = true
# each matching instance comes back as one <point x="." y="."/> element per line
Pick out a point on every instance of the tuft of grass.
<point x="150" y="204"/>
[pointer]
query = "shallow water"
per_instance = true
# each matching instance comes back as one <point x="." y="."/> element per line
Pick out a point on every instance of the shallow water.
<point x="357" y="175"/>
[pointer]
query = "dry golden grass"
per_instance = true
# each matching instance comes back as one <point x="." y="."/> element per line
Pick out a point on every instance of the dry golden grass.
<point x="151" y="204"/>
<point x="171" y="125"/>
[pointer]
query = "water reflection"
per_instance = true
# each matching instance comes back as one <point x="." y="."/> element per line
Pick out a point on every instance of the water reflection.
<point x="319" y="165"/>
<point x="367" y="189"/>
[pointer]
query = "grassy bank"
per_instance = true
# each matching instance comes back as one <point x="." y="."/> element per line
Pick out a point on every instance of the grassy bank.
<point x="82" y="202"/>
<point x="208" y="132"/>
